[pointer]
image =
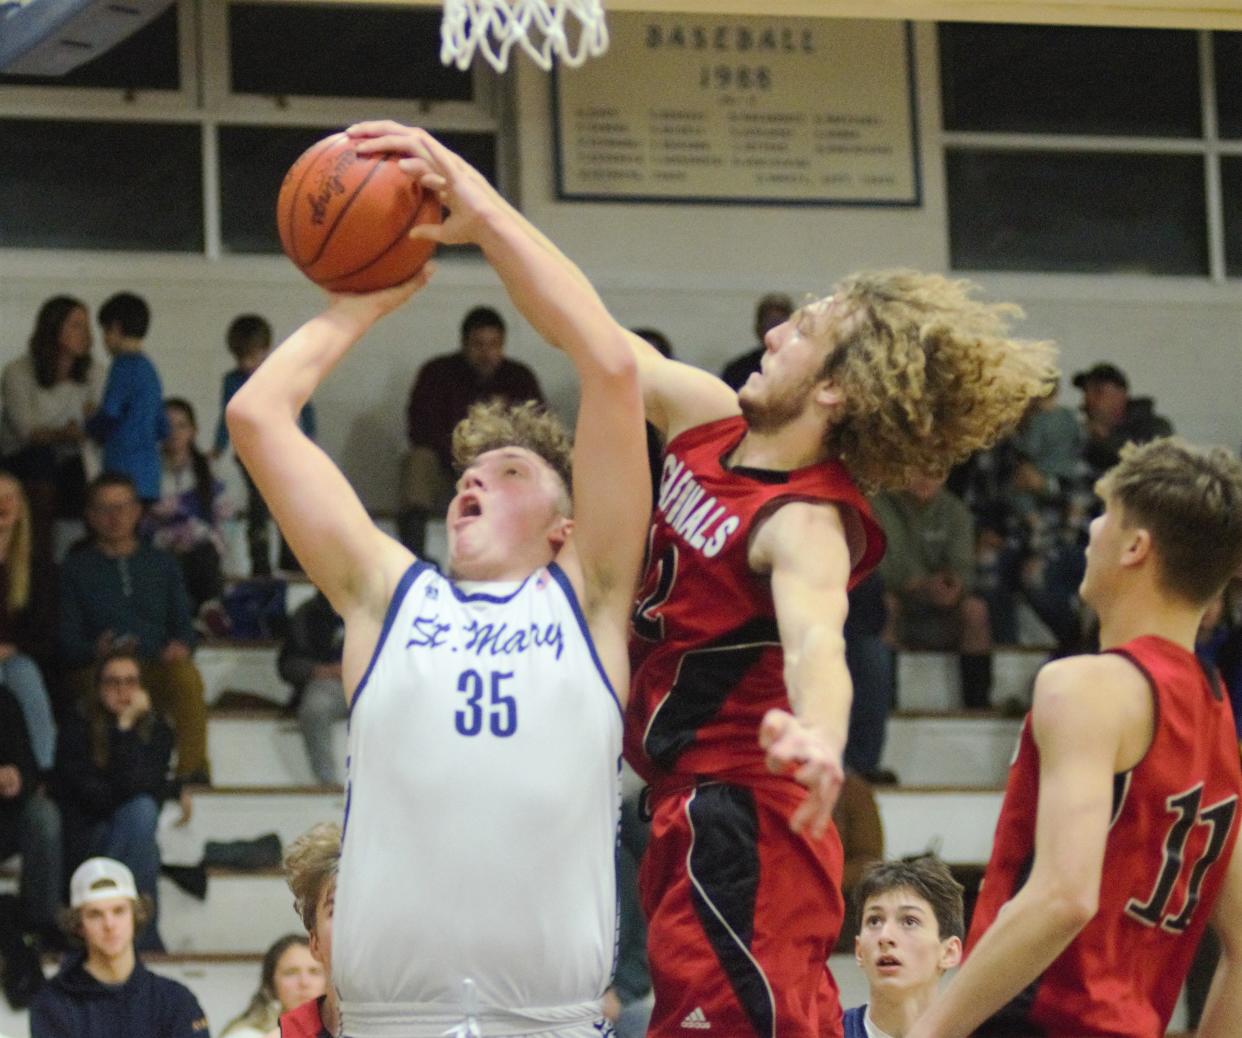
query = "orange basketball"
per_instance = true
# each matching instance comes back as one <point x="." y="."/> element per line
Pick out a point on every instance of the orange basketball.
<point x="345" y="218"/>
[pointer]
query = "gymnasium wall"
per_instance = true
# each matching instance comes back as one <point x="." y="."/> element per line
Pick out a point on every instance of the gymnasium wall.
<point x="692" y="271"/>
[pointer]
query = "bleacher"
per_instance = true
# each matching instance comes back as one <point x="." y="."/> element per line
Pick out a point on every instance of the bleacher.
<point x="952" y="765"/>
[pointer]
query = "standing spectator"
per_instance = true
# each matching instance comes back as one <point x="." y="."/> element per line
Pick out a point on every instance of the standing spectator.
<point x="185" y="520"/>
<point x="1114" y="418"/>
<point x="130" y="421"/>
<point x="30" y="826"/>
<point x="290" y="976"/>
<point x="929" y="572"/>
<point x="27" y="620"/>
<point x="249" y="340"/>
<point x="105" y="991"/>
<point x="48" y="393"/>
<point x="310" y="661"/>
<point x="112" y="773"/>
<point x="118" y="592"/>
<point x="442" y="393"/>
<point x="773" y="309"/>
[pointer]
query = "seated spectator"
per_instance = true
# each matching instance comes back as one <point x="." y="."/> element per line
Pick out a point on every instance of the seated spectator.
<point x="112" y="776"/>
<point x="30" y="826"/>
<point x="27" y="620"/>
<point x="105" y="991"/>
<point x="929" y="574"/>
<point x="1113" y="417"/>
<point x="311" y="863"/>
<point x="119" y="593"/>
<point x="442" y="393"/>
<point x="291" y="976"/>
<point x="310" y="661"/>
<point x="186" y="518"/>
<point x="772" y="309"/>
<point x="48" y="393"/>
<point x="909" y="935"/>
<point x="857" y="820"/>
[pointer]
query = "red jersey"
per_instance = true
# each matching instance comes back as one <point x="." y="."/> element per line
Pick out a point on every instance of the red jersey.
<point x="706" y="656"/>
<point x="306" y="1021"/>
<point x="1173" y="830"/>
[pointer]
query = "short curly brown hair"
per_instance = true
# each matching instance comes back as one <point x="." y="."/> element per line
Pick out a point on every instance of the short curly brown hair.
<point x="310" y="864"/>
<point x="929" y="375"/>
<point x="494" y="424"/>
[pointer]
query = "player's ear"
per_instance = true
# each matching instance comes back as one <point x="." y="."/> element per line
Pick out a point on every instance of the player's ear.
<point x="858" y="949"/>
<point x="559" y="532"/>
<point x="950" y="953"/>
<point x="1136" y="547"/>
<point x="829" y="395"/>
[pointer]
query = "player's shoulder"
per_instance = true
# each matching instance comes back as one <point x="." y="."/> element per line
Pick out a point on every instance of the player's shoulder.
<point x="1090" y="689"/>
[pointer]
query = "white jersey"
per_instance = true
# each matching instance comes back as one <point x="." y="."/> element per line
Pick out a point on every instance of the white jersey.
<point x="481" y="813"/>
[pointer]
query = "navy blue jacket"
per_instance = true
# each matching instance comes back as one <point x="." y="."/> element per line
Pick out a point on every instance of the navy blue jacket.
<point x="854" y="1027"/>
<point x="73" y="1003"/>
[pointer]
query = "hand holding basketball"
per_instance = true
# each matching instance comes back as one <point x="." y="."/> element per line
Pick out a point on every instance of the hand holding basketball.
<point x="345" y="218"/>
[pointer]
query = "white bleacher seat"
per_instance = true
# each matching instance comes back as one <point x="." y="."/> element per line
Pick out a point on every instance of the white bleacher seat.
<point x="928" y="681"/>
<point x="951" y="749"/>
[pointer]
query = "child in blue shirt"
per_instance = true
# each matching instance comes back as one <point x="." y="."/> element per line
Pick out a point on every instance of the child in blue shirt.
<point x="130" y="423"/>
<point x="910" y="933"/>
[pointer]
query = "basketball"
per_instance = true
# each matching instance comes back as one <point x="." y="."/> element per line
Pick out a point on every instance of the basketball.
<point x="345" y="218"/>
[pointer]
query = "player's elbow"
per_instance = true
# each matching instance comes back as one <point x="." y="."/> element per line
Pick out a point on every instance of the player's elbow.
<point x="1070" y="908"/>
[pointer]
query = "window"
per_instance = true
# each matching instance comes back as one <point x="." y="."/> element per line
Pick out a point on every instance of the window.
<point x="1231" y="190"/>
<point x="1227" y="49"/>
<point x="101" y="185"/>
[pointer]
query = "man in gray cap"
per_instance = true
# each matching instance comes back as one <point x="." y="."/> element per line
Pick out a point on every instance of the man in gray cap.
<point x="105" y="991"/>
<point x="1114" y="418"/>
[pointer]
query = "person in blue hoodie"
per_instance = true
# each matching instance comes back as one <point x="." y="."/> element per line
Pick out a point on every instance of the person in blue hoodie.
<point x="105" y="991"/>
<point x="909" y="935"/>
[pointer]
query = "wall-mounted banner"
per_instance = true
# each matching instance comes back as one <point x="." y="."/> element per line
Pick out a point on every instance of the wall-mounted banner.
<point x="719" y="108"/>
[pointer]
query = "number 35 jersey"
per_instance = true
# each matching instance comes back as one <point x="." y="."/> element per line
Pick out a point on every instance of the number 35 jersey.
<point x="704" y="646"/>
<point x="1174" y="826"/>
<point x="482" y="807"/>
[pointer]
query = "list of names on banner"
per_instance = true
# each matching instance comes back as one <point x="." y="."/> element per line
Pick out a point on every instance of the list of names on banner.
<point x="720" y="108"/>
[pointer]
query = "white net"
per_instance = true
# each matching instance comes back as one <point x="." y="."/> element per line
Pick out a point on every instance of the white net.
<point x="571" y="30"/>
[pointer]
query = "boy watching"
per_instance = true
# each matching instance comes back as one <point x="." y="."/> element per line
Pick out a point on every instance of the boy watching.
<point x="910" y="933"/>
<point x="249" y="340"/>
<point x="105" y="990"/>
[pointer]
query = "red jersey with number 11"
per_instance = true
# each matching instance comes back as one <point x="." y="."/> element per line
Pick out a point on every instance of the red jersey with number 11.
<point x="704" y="647"/>
<point x="1173" y="830"/>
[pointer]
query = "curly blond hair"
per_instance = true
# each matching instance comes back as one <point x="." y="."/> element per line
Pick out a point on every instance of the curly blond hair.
<point x="1190" y="500"/>
<point x="494" y="424"/>
<point x="310" y="865"/>
<point x="929" y="375"/>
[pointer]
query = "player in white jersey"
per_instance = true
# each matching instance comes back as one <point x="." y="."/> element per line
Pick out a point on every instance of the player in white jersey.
<point x="476" y="891"/>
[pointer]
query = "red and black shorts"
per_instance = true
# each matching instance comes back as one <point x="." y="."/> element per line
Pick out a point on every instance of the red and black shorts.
<point x="742" y="914"/>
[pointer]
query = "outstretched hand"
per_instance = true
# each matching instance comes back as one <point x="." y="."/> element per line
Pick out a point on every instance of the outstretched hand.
<point x="793" y="748"/>
<point x="462" y="189"/>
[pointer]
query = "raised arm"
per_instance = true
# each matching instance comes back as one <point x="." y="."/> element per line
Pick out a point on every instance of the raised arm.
<point x="1079" y="738"/>
<point x="804" y="548"/>
<point x="345" y="554"/>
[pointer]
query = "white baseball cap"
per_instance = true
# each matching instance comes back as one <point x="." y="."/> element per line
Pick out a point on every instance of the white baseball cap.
<point x="99" y="878"/>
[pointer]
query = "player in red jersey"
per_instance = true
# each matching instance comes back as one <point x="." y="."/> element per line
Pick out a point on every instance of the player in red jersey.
<point x="1115" y="844"/>
<point x="741" y="696"/>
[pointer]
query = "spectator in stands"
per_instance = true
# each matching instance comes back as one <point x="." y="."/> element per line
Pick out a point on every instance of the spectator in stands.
<point x="249" y="340"/>
<point x="1113" y="417"/>
<point x="442" y="393"/>
<point x="311" y="863"/>
<point x="290" y="977"/>
<point x="105" y="991"/>
<point x="857" y="818"/>
<point x="186" y="518"/>
<point x="772" y="309"/>
<point x="869" y="657"/>
<point x="27" y="620"/>
<point x="626" y="1001"/>
<point x="909" y="936"/>
<point x="310" y="661"/>
<point x="118" y="592"/>
<point x="29" y="826"/>
<point x="129" y="423"/>
<point x="48" y="393"/>
<point x="112" y="776"/>
<point x="929" y="573"/>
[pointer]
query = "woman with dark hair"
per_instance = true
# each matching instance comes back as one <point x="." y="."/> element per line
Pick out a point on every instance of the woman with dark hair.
<point x="48" y="393"/>
<point x="186" y="518"/>
<point x="290" y="976"/>
<point x="113" y="774"/>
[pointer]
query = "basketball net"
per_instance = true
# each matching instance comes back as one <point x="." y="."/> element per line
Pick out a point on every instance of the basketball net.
<point x="537" y="26"/>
